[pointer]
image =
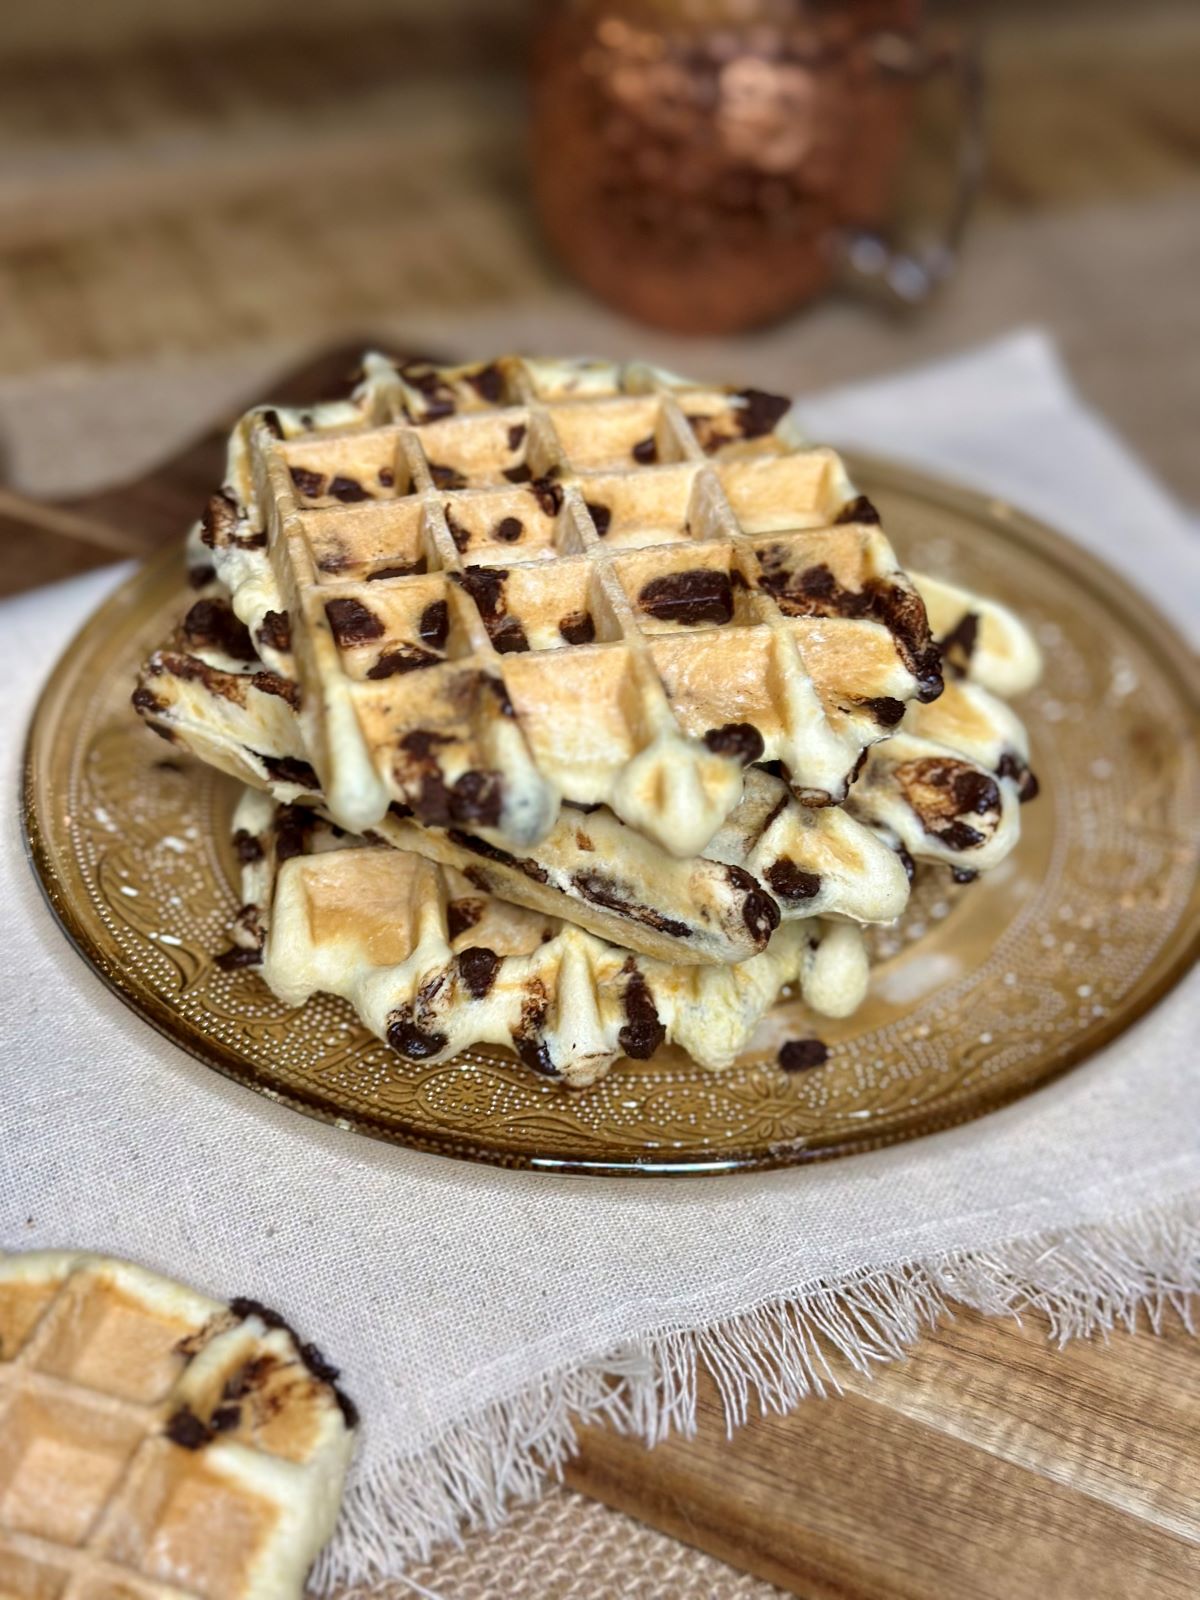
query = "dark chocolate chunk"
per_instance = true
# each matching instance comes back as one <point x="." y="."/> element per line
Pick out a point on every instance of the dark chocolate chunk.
<point x="791" y="882"/>
<point x="485" y="585"/>
<point x="476" y="797"/>
<point x="516" y="435"/>
<point x="405" y="658"/>
<point x="959" y="836"/>
<point x="521" y="473"/>
<point x="272" y="422"/>
<point x="1014" y="767"/>
<point x="500" y="692"/>
<point x="535" y="1054"/>
<point x="434" y="626"/>
<point x="348" y="490"/>
<point x="600" y="515"/>
<point x="643" y="1032"/>
<point x="760" y="412"/>
<point x="886" y="710"/>
<point x="283" y="688"/>
<point x="578" y="628"/>
<point x="798" y="1054"/>
<point x="410" y="1041"/>
<point x="352" y="623"/>
<point x="398" y="569"/>
<point x="185" y="1429"/>
<point x="225" y="1418"/>
<point x="460" y="535"/>
<point x="275" y="630"/>
<point x="461" y="916"/>
<point x="958" y="646"/>
<point x="902" y="611"/>
<point x="421" y="743"/>
<point x="237" y="956"/>
<point x="488" y="383"/>
<point x="508" y="637"/>
<point x="975" y="792"/>
<point x="446" y="477"/>
<point x="548" y="495"/>
<point x="218" y="522"/>
<point x="510" y="529"/>
<point x="212" y="625"/>
<point x="700" y="595"/>
<point x="645" y="451"/>
<point x="293" y="824"/>
<point x="963" y="874"/>
<point x="310" y="484"/>
<point x="147" y="702"/>
<point x="387" y="478"/>
<point x="246" y="847"/>
<point x="858" y="510"/>
<point x="288" y="769"/>
<point x="478" y="967"/>
<point x="602" y="890"/>
<point x="491" y="852"/>
<point x="740" y="740"/>
<point x="907" y="862"/>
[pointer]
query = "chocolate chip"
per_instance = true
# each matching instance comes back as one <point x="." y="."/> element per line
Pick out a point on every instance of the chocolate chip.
<point x="603" y="890"/>
<point x="147" y="702"/>
<point x="963" y="874"/>
<point x="739" y="740"/>
<point x="348" y="490"/>
<point x="508" y="637"/>
<point x="521" y="473"/>
<point x="446" y="477"/>
<point x="600" y="515"/>
<point x="218" y="523"/>
<point x="548" y="495"/>
<point x="352" y="623"/>
<point x="485" y="585"/>
<point x="201" y="577"/>
<point x="310" y="484"/>
<point x="958" y="645"/>
<point x="212" y="625"/>
<point x="959" y="836"/>
<point x="535" y="1054"/>
<point x="421" y="743"/>
<point x="791" y="882"/>
<point x="399" y="569"/>
<point x="318" y="1363"/>
<point x="578" y="628"/>
<point x="907" y="862"/>
<point x="645" y="451"/>
<point x="858" y="510"/>
<point x="478" y="967"/>
<point x="976" y="792"/>
<point x="499" y="690"/>
<point x="460" y="535"/>
<point x="405" y="658"/>
<point x="516" y="435"/>
<point x="225" y="1418"/>
<point x="510" y="529"/>
<point x="275" y="630"/>
<point x="293" y="825"/>
<point x="237" y="956"/>
<point x="408" y="1040"/>
<point x="690" y="598"/>
<point x="760" y="914"/>
<point x="886" y="711"/>
<point x="759" y="412"/>
<point x="798" y="1054"/>
<point x="434" y="626"/>
<point x="476" y="797"/>
<point x="902" y="611"/>
<point x="1014" y="767"/>
<point x="491" y="852"/>
<point x="387" y="478"/>
<point x="461" y="916"/>
<point x="272" y="422"/>
<point x="185" y="1429"/>
<point x="488" y="383"/>
<point x="246" y="847"/>
<point x="287" y="769"/>
<point x="643" y="1032"/>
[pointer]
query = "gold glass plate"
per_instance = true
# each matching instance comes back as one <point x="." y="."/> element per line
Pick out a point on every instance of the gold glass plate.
<point x="986" y="991"/>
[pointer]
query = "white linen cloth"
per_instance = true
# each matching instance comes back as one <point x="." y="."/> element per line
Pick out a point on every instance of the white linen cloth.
<point x="471" y="1308"/>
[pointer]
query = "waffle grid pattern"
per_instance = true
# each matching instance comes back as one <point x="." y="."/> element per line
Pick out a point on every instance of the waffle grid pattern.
<point x="99" y="1361"/>
<point x="658" y="586"/>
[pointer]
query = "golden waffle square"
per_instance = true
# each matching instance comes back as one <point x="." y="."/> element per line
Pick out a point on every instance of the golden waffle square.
<point x="155" y="1444"/>
<point x="516" y="584"/>
<point x="434" y="963"/>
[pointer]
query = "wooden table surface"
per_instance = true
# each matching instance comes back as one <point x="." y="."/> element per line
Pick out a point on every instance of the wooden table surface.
<point x="149" y="211"/>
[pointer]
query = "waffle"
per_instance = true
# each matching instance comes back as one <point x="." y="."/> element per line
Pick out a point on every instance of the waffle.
<point x="772" y="858"/>
<point x="154" y="1444"/>
<point x="526" y="582"/>
<point x="435" y="964"/>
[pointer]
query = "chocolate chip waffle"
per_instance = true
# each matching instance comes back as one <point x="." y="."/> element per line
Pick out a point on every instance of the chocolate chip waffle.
<point x="156" y="1445"/>
<point x="772" y="858"/>
<point x="435" y="964"/>
<point x="520" y="583"/>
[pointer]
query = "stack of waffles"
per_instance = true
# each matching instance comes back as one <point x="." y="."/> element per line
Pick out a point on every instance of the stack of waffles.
<point x="579" y="709"/>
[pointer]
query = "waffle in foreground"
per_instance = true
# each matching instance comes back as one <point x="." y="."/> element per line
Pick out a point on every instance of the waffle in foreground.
<point x="155" y="1444"/>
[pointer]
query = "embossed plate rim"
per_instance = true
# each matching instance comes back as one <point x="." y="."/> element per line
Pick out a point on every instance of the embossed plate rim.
<point x="1153" y="633"/>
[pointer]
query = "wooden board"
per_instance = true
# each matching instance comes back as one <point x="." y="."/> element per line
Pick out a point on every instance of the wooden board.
<point x="990" y="1464"/>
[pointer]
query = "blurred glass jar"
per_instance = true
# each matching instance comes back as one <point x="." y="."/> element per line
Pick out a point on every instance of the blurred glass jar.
<point x="707" y="165"/>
